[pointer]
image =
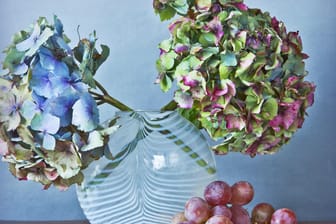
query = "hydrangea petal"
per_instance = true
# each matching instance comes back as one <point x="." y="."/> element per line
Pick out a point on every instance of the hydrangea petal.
<point x="39" y="41"/>
<point x="234" y="122"/>
<point x="62" y="107"/>
<point x="26" y="44"/>
<point x="65" y="159"/>
<point x="49" y="62"/>
<point x="5" y="86"/>
<point x="229" y="59"/>
<point x="245" y="63"/>
<point x="45" y="123"/>
<point x="216" y="26"/>
<point x="40" y="82"/>
<point x="184" y="100"/>
<point x="3" y="147"/>
<point x="203" y="5"/>
<point x="241" y="6"/>
<point x="50" y="173"/>
<point x="28" y="109"/>
<point x="85" y="113"/>
<point x="20" y="69"/>
<point x="96" y="140"/>
<point x="14" y="121"/>
<point x="49" y="142"/>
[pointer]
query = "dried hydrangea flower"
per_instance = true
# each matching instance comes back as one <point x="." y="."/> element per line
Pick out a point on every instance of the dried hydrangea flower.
<point x="240" y="75"/>
<point x="46" y="108"/>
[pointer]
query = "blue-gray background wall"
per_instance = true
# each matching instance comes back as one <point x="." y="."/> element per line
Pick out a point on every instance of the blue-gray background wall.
<point x="301" y="176"/>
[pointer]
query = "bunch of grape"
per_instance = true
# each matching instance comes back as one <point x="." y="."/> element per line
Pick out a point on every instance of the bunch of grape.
<point x="223" y="204"/>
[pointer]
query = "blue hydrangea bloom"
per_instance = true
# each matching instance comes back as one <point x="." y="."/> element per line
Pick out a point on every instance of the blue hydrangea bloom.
<point x="48" y="125"/>
<point x="62" y="107"/>
<point x="85" y="113"/>
<point x="48" y="76"/>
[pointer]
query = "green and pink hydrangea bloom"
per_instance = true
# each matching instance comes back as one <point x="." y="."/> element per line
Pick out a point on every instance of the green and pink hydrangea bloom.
<point x="249" y="68"/>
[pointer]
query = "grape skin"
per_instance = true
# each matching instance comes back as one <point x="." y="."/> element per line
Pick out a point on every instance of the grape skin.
<point x="187" y="222"/>
<point x="219" y="219"/>
<point x="217" y="193"/>
<point x="221" y="210"/>
<point x="283" y="216"/>
<point x="262" y="213"/>
<point x="242" y="193"/>
<point x="197" y="210"/>
<point x="240" y="215"/>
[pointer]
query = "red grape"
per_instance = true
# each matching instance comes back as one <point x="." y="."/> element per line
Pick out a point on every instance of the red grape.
<point x="239" y="215"/>
<point x="187" y="222"/>
<point x="262" y="213"/>
<point x="217" y="193"/>
<point x="283" y="216"/>
<point x="219" y="219"/>
<point x="197" y="210"/>
<point x="242" y="193"/>
<point x="221" y="210"/>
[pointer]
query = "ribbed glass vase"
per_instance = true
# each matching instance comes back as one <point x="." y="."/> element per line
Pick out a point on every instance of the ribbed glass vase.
<point x="159" y="161"/>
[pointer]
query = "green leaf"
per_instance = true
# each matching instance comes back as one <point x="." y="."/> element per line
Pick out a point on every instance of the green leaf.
<point x="167" y="13"/>
<point x="83" y="53"/>
<point x="166" y="83"/>
<point x="99" y="59"/>
<point x="88" y="78"/>
<point x="79" y="51"/>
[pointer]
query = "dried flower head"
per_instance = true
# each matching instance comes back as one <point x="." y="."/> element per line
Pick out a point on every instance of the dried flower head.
<point x="239" y="73"/>
<point x="49" y="121"/>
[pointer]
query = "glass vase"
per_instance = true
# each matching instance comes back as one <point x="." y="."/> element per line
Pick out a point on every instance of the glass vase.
<point x="158" y="160"/>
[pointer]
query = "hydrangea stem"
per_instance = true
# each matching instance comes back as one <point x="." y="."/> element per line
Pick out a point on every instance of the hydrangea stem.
<point x="107" y="98"/>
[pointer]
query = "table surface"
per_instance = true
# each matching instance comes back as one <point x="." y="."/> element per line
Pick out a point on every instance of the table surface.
<point x="86" y="222"/>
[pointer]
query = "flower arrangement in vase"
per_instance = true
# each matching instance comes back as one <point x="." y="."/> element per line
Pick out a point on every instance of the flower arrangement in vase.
<point x="236" y="71"/>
